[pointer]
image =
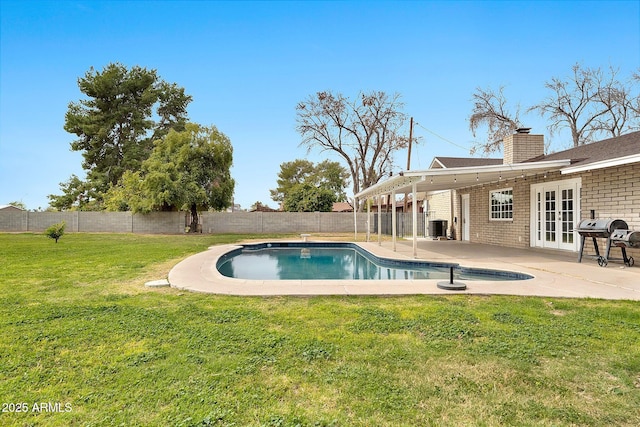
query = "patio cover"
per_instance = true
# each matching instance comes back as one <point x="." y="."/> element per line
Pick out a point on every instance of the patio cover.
<point x="424" y="181"/>
<point x="454" y="178"/>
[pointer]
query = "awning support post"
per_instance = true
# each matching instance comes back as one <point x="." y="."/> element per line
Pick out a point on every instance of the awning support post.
<point x="379" y="220"/>
<point x="368" y="218"/>
<point x="393" y="218"/>
<point x="355" y="218"/>
<point x="414" y="209"/>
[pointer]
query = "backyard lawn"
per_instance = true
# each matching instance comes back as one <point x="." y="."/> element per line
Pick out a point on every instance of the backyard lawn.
<point x="84" y="342"/>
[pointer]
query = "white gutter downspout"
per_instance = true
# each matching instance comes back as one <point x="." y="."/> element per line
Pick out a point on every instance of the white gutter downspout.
<point x="379" y="220"/>
<point x="414" y="209"/>
<point x="368" y="218"/>
<point x="393" y="218"/>
<point x="452" y="214"/>
<point x="355" y="218"/>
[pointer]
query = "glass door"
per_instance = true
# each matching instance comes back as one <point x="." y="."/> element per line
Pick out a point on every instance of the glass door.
<point x="567" y="217"/>
<point x="550" y="219"/>
<point x="555" y="208"/>
<point x="465" y="217"/>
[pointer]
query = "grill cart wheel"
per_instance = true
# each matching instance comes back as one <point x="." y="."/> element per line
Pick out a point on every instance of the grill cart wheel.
<point x="602" y="261"/>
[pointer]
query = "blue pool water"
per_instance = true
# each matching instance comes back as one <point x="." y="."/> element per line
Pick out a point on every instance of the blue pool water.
<point x="339" y="261"/>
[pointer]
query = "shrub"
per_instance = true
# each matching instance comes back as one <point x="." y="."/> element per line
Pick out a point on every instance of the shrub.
<point x="56" y="231"/>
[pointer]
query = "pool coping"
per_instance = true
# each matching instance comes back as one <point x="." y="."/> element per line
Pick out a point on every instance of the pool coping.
<point x="198" y="273"/>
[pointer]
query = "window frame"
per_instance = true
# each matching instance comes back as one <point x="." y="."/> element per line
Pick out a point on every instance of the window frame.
<point x="501" y="214"/>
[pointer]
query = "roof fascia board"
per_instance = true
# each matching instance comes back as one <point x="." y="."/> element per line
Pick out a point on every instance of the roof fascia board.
<point x="620" y="161"/>
<point x="555" y="164"/>
<point x="436" y="161"/>
<point x="386" y="187"/>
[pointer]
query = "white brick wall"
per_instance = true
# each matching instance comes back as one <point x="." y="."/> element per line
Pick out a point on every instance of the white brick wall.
<point x="440" y="206"/>
<point x="612" y="192"/>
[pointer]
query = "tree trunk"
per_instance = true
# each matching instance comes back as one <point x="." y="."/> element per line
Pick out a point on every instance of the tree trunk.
<point x="194" y="228"/>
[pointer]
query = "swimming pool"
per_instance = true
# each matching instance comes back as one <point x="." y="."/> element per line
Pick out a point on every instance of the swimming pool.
<point x="339" y="261"/>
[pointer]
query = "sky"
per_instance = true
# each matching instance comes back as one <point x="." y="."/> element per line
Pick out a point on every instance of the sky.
<point x="248" y="64"/>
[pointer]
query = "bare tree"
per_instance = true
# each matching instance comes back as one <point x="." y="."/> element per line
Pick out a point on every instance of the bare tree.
<point x="575" y="103"/>
<point x="618" y="101"/>
<point x="490" y="110"/>
<point x="634" y="98"/>
<point x="364" y="132"/>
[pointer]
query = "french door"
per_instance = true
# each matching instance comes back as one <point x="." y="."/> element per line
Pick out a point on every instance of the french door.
<point x="555" y="214"/>
<point x="465" y="217"/>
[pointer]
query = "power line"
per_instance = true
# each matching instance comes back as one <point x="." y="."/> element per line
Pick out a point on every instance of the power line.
<point x="442" y="138"/>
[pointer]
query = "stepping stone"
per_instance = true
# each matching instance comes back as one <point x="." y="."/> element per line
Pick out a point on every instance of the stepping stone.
<point x="158" y="283"/>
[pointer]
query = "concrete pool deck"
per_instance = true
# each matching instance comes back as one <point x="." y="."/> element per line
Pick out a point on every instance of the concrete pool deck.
<point x="556" y="274"/>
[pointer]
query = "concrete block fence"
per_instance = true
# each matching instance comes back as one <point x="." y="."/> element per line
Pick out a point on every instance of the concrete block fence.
<point x="174" y="222"/>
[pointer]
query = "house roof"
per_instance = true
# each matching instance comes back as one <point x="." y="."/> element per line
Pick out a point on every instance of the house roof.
<point x="263" y="208"/>
<point x="598" y="153"/>
<point x="342" y="207"/>
<point x="10" y="207"/>
<point x="610" y="152"/>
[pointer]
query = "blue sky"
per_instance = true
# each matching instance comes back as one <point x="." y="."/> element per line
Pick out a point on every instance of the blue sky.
<point x="247" y="65"/>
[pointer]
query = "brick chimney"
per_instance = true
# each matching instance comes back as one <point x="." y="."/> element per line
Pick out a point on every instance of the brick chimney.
<point x="522" y="146"/>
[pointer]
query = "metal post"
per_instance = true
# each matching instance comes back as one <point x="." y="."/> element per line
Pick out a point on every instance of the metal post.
<point x="368" y="218"/>
<point x="414" y="210"/>
<point x="355" y="218"/>
<point x="379" y="220"/>
<point x="393" y="218"/>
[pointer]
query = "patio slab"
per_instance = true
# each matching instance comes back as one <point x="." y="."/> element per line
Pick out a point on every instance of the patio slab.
<point x="556" y="274"/>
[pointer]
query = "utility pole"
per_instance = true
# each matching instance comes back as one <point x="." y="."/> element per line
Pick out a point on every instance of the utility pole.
<point x="404" y="209"/>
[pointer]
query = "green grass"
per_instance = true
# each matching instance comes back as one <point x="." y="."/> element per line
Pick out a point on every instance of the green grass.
<point x="78" y="328"/>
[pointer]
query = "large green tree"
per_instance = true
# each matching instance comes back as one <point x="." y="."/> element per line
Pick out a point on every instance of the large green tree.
<point x="306" y="197"/>
<point x="291" y="174"/>
<point x="76" y="195"/>
<point x="333" y="177"/>
<point x="123" y="112"/>
<point x="300" y="175"/>
<point x="187" y="170"/>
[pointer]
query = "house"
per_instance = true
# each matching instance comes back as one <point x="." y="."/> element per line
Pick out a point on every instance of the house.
<point x="385" y="204"/>
<point x="434" y="205"/>
<point x="439" y="205"/>
<point x="342" y="207"/>
<point x="531" y="199"/>
<point x="263" y="208"/>
<point x="10" y="208"/>
<point x="337" y="207"/>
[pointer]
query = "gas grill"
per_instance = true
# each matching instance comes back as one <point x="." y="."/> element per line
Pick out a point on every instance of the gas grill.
<point x="617" y="233"/>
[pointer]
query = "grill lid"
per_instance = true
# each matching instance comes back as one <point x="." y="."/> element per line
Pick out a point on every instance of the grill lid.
<point x="626" y="238"/>
<point x="602" y="225"/>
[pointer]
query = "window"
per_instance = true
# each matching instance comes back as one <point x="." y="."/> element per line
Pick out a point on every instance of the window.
<point x="501" y="205"/>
